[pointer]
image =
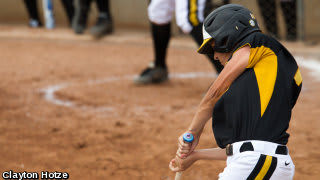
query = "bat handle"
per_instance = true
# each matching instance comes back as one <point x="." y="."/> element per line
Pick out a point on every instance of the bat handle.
<point x="178" y="176"/>
<point x="187" y="137"/>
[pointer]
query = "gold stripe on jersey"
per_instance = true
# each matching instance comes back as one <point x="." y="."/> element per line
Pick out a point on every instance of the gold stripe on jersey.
<point x="193" y="12"/>
<point x="265" y="65"/>
<point x="298" y="77"/>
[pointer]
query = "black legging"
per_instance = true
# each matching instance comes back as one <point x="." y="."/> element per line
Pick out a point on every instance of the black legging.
<point x="68" y="8"/>
<point x="103" y="6"/>
<point x="32" y="8"/>
<point x="268" y="11"/>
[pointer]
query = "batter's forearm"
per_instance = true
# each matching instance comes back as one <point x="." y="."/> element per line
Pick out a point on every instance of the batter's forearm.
<point x="210" y="154"/>
<point x="200" y="119"/>
<point x="203" y="114"/>
<point x="207" y="104"/>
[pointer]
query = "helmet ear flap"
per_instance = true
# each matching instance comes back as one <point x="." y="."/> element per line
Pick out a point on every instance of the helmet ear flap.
<point x="221" y="44"/>
<point x="224" y="41"/>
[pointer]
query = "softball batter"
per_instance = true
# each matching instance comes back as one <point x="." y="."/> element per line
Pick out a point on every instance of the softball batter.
<point x="250" y="102"/>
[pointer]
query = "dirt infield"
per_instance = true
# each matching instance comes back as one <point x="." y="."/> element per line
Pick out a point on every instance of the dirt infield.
<point x="68" y="104"/>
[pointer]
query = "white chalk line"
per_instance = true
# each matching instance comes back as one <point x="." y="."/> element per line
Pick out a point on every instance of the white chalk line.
<point x="49" y="95"/>
<point x="311" y="64"/>
<point x="49" y="92"/>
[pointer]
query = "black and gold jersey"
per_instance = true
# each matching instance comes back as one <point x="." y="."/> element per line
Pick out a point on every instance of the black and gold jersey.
<point x="258" y="104"/>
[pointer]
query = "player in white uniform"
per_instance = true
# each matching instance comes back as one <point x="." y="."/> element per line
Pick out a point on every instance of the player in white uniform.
<point x="189" y="18"/>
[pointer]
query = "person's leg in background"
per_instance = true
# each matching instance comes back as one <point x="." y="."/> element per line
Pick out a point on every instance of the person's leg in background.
<point x="103" y="24"/>
<point x="189" y="16"/>
<point x="69" y="9"/>
<point x="80" y="18"/>
<point x="289" y="9"/>
<point x="269" y="14"/>
<point x="32" y="8"/>
<point x="211" y="5"/>
<point x="160" y="15"/>
<point x="226" y="2"/>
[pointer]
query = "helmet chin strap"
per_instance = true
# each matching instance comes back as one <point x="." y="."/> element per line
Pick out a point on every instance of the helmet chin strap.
<point x="229" y="58"/>
<point x="226" y="61"/>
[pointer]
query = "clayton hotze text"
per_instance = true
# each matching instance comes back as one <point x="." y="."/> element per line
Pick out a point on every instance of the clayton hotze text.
<point x="34" y="175"/>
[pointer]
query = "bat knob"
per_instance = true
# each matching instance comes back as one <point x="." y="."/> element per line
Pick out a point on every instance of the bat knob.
<point x="188" y="137"/>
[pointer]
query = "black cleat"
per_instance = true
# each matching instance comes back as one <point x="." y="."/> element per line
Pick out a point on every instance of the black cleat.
<point x="152" y="75"/>
<point x="34" y="23"/>
<point x="102" y="27"/>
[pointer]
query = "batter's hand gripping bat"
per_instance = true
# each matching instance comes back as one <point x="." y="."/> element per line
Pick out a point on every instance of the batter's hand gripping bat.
<point x="187" y="137"/>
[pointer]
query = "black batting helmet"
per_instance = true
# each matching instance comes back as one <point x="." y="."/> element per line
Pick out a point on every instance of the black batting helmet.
<point x="227" y="25"/>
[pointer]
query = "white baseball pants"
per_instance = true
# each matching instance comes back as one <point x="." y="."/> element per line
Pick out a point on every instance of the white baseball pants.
<point x="258" y="164"/>
<point x="189" y="13"/>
